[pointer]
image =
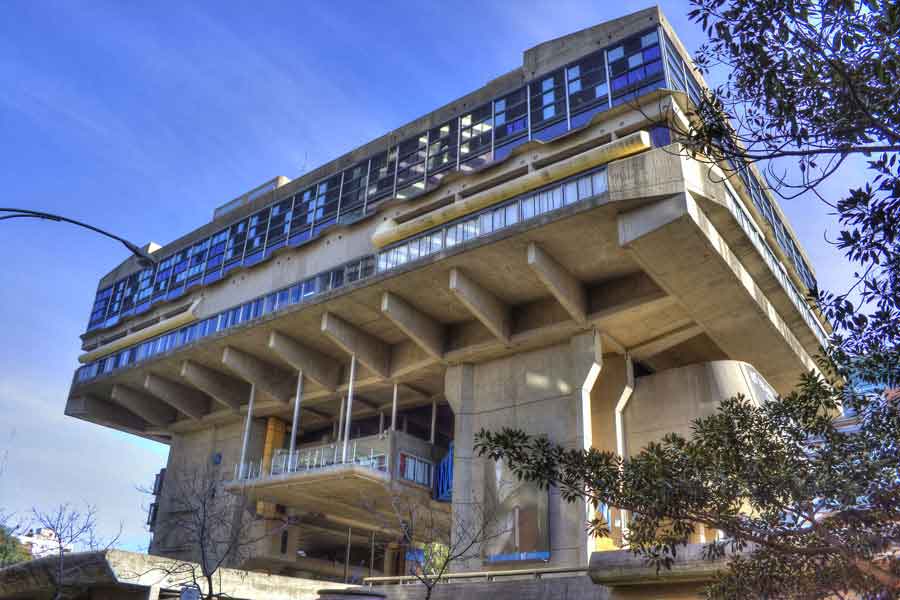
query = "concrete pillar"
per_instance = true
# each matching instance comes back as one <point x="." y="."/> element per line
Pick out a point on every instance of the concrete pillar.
<point x="468" y="470"/>
<point x="543" y="392"/>
<point x="587" y="363"/>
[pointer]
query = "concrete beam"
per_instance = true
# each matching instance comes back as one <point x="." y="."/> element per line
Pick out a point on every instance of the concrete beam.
<point x="144" y="405"/>
<point x="265" y="376"/>
<point x="367" y="403"/>
<point x="105" y="412"/>
<point x="186" y="400"/>
<point x="317" y="412"/>
<point x="661" y="343"/>
<point x="369" y="350"/>
<point x="484" y="306"/>
<point x="567" y="290"/>
<point x="322" y="369"/>
<point x="419" y="327"/>
<point x="225" y="390"/>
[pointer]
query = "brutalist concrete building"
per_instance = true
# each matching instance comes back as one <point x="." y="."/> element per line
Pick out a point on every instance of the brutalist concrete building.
<point x="536" y="254"/>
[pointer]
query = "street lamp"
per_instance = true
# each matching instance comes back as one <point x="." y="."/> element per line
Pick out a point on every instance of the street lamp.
<point x="144" y="259"/>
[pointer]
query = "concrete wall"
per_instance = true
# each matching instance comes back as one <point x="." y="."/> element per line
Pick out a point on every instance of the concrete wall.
<point x="555" y="588"/>
<point x="193" y="453"/>
<point x="539" y="392"/>
<point x="671" y="400"/>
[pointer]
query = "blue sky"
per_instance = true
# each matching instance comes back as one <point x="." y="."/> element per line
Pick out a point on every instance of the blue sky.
<point x="142" y="117"/>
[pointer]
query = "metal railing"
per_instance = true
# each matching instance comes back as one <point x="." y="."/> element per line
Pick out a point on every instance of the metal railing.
<point x="368" y="456"/>
<point x="537" y="573"/>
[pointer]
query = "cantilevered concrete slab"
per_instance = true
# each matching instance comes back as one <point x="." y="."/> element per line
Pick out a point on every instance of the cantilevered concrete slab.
<point x="678" y="246"/>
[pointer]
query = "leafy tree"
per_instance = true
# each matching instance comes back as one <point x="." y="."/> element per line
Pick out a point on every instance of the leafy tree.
<point x="11" y="549"/>
<point x="806" y="509"/>
<point x="815" y="82"/>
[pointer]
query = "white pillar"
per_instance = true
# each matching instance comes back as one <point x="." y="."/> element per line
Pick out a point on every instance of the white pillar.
<point x="620" y="424"/>
<point x="394" y="410"/>
<point x="433" y="419"/>
<point x="349" y="406"/>
<point x="295" y="423"/>
<point x="246" y="443"/>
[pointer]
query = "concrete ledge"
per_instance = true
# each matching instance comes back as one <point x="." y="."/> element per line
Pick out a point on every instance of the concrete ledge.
<point x="623" y="568"/>
<point x="131" y="575"/>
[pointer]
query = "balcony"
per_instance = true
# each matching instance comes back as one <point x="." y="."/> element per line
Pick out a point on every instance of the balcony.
<point x="360" y="487"/>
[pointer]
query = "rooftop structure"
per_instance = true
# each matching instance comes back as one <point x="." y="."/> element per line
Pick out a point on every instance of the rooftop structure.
<point x="536" y="254"/>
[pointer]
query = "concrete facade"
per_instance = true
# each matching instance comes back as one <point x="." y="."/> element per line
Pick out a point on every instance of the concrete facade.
<point x="598" y="287"/>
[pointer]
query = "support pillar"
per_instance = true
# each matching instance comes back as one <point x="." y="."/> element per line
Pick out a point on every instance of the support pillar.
<point x="295" y="422"/>
<point x="347" y="556"/>
<point x="433" y="420"/>
<point x="246" y="441"/>
<point x="340" y="424"/>
<point x="394" y="410"/>
<point x="348" y="419"/>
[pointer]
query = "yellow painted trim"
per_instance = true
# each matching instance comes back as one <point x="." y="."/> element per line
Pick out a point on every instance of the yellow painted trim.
<point x="182" y="318"/>
<point x="391" y="231"/>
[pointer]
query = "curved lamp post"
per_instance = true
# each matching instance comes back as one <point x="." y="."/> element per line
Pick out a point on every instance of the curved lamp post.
<point x="144" y="259"/>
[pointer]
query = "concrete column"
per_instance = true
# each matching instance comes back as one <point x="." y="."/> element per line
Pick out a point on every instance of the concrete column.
<point x="468" y="470"/>
<point x="543" y="392"/>
<point x="575" y="545"/>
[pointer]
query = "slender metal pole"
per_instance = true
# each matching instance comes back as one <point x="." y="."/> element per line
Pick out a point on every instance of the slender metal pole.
<point x="246" y="442"/>
<point x="347" y="557"/>
<point x="433" y="418"/>
<point x="394" y="410"/>
<point x="380" y="422"/>
<point x="295" y="423"/>
<point x="347" y="419"/>
<point x="340" y="431"/>
<point x="372" y="557"/>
